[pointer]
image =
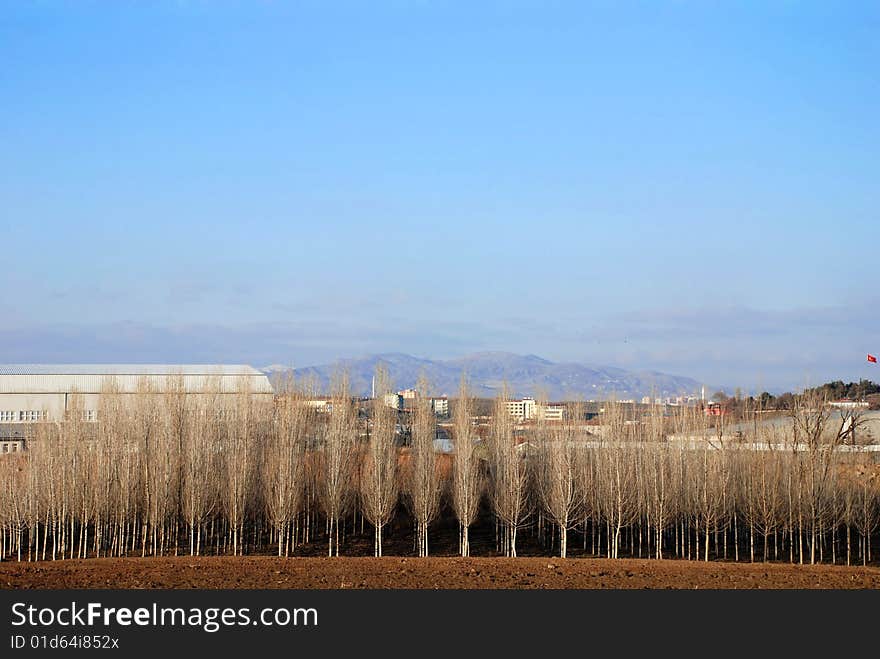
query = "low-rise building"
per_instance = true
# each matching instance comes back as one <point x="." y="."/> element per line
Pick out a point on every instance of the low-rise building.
<point x="321" y="405"/>
<point x="521" y="409"/>
<point x="440" y="405"/>
<point x="715" y="409"/>
<point x="551" y="411"/>
<point x="848" y="404"/>
<point x="394" y="401"/>
<point x="526" y="409"/>
<point x="13" y="438"/>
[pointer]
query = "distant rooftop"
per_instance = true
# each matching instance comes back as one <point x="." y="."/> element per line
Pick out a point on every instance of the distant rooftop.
<point x="94" y="378"/>
<point x="128" y="369"/>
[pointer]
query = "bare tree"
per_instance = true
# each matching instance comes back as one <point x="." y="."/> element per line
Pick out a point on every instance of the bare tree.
<point x="865" y="487"/>
<point x="815" y="435"/>
<point x="379" y="466"/>
<point x="509" y="473"/>
<point x="336" y="461"/>
<point x="238" y="453"/>
<point x="199" y="487"/>
<point x="558" y="454"/>
<point x="662" y="479"/>
<point x="762" y="490"/>
<point x="424" y="481"/>
<point x="284" y="466"/>
<point x="618" y="496"/>
<point x="161" y="470"/>
<point x="467" y="475"/>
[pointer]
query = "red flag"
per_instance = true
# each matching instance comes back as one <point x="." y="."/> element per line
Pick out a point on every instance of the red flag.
<point x="872" y="358"/>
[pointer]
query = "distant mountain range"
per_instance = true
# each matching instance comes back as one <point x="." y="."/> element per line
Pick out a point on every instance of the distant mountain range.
<point x="488" y="372"/>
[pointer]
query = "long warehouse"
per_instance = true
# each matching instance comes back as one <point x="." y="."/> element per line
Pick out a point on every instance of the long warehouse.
<point x="31" y="393"/>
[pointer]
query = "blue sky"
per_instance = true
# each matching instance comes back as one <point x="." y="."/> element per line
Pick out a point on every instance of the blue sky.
<point x="685" y="186"/>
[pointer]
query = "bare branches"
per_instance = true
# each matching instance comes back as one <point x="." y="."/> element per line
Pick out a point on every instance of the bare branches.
<point x="424" y="481"/>
<point x="164" y="472"/>
<point x="336" y="461"/>
<point x="509" y="476"/>
<point x="379" y="465"/>
<point x="558" y="456"/>
<point x="284" y="465"/>
<point x="467" y="475"/>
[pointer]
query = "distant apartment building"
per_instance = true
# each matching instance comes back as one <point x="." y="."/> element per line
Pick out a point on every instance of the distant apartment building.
<point x="525" y="409"/>
<point x="440" y="406"/>
<point x="406" y="400"/>
<point x="521" y="409"/>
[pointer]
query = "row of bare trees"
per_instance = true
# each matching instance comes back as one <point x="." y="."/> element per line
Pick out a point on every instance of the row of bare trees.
<point x="169" y="472"/>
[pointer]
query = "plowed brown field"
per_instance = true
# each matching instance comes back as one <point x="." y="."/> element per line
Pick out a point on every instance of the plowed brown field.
<point x="397" y="572"/>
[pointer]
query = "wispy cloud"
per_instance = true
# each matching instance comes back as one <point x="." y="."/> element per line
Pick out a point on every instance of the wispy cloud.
<point x="300" y="342"/>
<point x="739" y="321"/>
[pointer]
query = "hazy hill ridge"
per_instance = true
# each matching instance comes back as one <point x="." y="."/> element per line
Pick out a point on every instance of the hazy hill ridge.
<point x="525" y="375"/>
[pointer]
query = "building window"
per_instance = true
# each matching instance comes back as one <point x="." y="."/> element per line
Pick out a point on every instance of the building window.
<point x="31" y="415"/>
<point x="89" y="415"/>
<point x="7" y="416"/>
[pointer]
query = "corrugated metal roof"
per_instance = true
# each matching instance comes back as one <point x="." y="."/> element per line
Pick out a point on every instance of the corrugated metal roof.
<point x="97" y="378"/>
<point x="128" y="369"/>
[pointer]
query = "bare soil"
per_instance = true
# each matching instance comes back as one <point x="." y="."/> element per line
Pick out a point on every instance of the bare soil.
<point x="446" y="572"/>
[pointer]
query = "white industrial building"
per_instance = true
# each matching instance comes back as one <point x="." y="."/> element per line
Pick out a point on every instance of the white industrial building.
<point x="47" y="392"/>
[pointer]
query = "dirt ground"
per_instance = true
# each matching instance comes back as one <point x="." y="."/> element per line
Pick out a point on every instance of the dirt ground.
<point x="398" y="572"/>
